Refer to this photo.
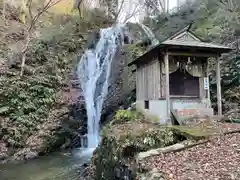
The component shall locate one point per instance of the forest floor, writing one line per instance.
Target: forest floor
(218, 159)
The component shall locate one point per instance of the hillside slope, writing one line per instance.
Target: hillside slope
(39, 111)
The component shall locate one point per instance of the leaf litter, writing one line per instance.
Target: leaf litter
(219, 159)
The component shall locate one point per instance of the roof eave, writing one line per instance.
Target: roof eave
(160, 46)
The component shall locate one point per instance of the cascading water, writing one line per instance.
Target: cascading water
(93, 71)
(150, 34)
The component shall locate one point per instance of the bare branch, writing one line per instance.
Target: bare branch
(33, 21)
(157, 6)
(49, 4)
(119, 10)
(79, 8)
(131, 14)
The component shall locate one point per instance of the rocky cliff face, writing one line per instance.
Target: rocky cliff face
(122, 84)
(121, 92)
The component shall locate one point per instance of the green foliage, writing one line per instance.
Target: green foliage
(125, 116)
(230, 84)
(135, 50)
(212, 20)
(123, 142)
(231, 76)
(195, 133)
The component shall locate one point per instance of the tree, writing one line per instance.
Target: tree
(233, 6)
(127, 10)
(30, 19)
(120, 10)
(155, 7)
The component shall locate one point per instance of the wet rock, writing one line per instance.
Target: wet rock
(92, 40)
(123, 173)
(85, 165)
(24, 154)
(127, 40)
(121, 86)
(132, 107)
(31, 155)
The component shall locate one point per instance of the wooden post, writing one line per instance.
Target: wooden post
(167, 85)
(161, 79)
(219, 95)
(208, 91)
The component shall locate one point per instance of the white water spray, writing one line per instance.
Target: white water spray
(150, 34)
(93, 71)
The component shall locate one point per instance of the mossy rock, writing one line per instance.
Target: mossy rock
(120, 144)
(123, 116)
(93, 39)
(195, 133)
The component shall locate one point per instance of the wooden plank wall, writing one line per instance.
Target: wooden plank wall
(148, 81)
(203, 93)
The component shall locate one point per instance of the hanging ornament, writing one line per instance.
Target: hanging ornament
(189, 60)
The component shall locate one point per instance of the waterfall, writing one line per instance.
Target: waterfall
(149, 34)
(93, 71)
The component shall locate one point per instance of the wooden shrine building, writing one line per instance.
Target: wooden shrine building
(172, 77)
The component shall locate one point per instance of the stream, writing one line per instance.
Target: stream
(57, 166)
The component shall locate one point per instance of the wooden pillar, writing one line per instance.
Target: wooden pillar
(208, 91)
(219, 95)
(166, 59)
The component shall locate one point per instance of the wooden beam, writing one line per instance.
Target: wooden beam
(191, 54)
(166, 59)
(219, 95)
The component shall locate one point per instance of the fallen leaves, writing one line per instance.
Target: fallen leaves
(218, 159)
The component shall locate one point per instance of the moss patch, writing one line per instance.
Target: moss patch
(195, 133)
(121, 141)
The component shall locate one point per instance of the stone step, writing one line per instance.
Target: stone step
(183, 116)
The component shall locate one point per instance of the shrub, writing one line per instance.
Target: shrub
(125, 116)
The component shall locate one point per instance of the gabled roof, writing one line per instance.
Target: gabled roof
(185, 39)
(195, 44)
(183, 32)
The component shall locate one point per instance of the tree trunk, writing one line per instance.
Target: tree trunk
(24, 51)
(23, 12)
(173, 148)
(80, 12)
